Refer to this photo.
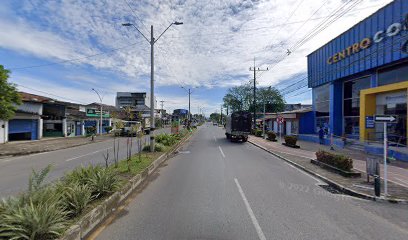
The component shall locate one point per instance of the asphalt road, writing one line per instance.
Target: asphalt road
(215, 189)
(15, 171)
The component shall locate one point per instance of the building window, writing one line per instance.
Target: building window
(394, 74)
(351, 104)
(321, 101)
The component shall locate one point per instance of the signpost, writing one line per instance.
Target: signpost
(280, 120)
(385, 119)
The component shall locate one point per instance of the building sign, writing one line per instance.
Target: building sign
(92, 112)
(370, 123)
(392, 30)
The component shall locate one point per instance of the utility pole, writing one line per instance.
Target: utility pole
(189, 102)
(221, 116)
(152, 41)
(100, 99)
(161, 115)
(254, 69)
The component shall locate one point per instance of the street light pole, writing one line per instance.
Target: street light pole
(152, 41)
(100, 99)
(152, 123)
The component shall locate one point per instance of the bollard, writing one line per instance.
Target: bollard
(377, 185)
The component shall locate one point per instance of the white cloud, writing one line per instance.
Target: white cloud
(215, 46)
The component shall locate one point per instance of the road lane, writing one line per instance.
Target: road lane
(196, 197)
(15, 171)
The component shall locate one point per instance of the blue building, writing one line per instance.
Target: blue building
(361, 73)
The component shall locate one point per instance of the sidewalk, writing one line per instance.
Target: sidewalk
(18, 148)
(397, 172)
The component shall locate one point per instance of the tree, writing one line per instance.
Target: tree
(215, 117)
(273, 99)
(9, 97)
(240, 98)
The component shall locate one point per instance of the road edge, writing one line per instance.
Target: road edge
(331, 183)
(92, 220)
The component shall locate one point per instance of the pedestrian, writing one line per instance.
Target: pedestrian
(321, 135)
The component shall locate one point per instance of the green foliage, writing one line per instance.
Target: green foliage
(258, 132)
(166, 139)
(35, 181)
(271, 135)
(90, 130)
(336, 160)
(79, 176)
(240, 98)
(36, 214)
(75, 198)
(119, 124)
(45, 220)
(9, 97)
(101, 181)
(108, 129)
(158, 147)
(290, 140)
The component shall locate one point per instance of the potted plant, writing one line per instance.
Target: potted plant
(290, 141)
(271, 136)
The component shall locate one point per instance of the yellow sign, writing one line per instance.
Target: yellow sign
(379, 36)
(350, 50)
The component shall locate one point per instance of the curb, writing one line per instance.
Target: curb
(331, 183)
(89, 222)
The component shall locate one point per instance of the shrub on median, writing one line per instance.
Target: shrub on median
(166, 139)
(258, 132)
(271, 135)
(290, 140)
(37, 214)
(158, 147)
(336, 160)
(101, 181)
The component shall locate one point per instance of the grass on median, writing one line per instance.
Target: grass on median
(45, 211)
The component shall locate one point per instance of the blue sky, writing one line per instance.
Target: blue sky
(211, 52)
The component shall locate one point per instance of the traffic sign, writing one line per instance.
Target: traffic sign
(385, 118)
(280, 119)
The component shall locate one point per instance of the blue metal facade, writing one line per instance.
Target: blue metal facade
(24, 126)
(370, 52)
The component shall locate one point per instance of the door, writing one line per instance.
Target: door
(275, 126)
(78, 128)
(23, 129)
(288, 128)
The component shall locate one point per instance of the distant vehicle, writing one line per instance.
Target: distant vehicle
(146, 125)
(127, 128)
(215, 123)
(238, 126)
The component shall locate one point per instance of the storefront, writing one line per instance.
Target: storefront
(363, 73)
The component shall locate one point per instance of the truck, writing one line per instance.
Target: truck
(130, 128)
(238, 126)
(146, 125)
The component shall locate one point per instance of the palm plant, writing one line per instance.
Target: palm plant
(32, 221)
(76, 198)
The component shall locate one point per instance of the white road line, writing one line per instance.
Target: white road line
(319, 182)
(215, 140)
(402, 182)
(222, 153)
(250, 212)
(70, 159)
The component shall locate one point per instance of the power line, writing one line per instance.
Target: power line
(50, 94)
(316, 29)
(308, 90)
(135, 15)
(223, 34)
(379, 51)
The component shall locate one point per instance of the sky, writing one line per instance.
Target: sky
(64, 48)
